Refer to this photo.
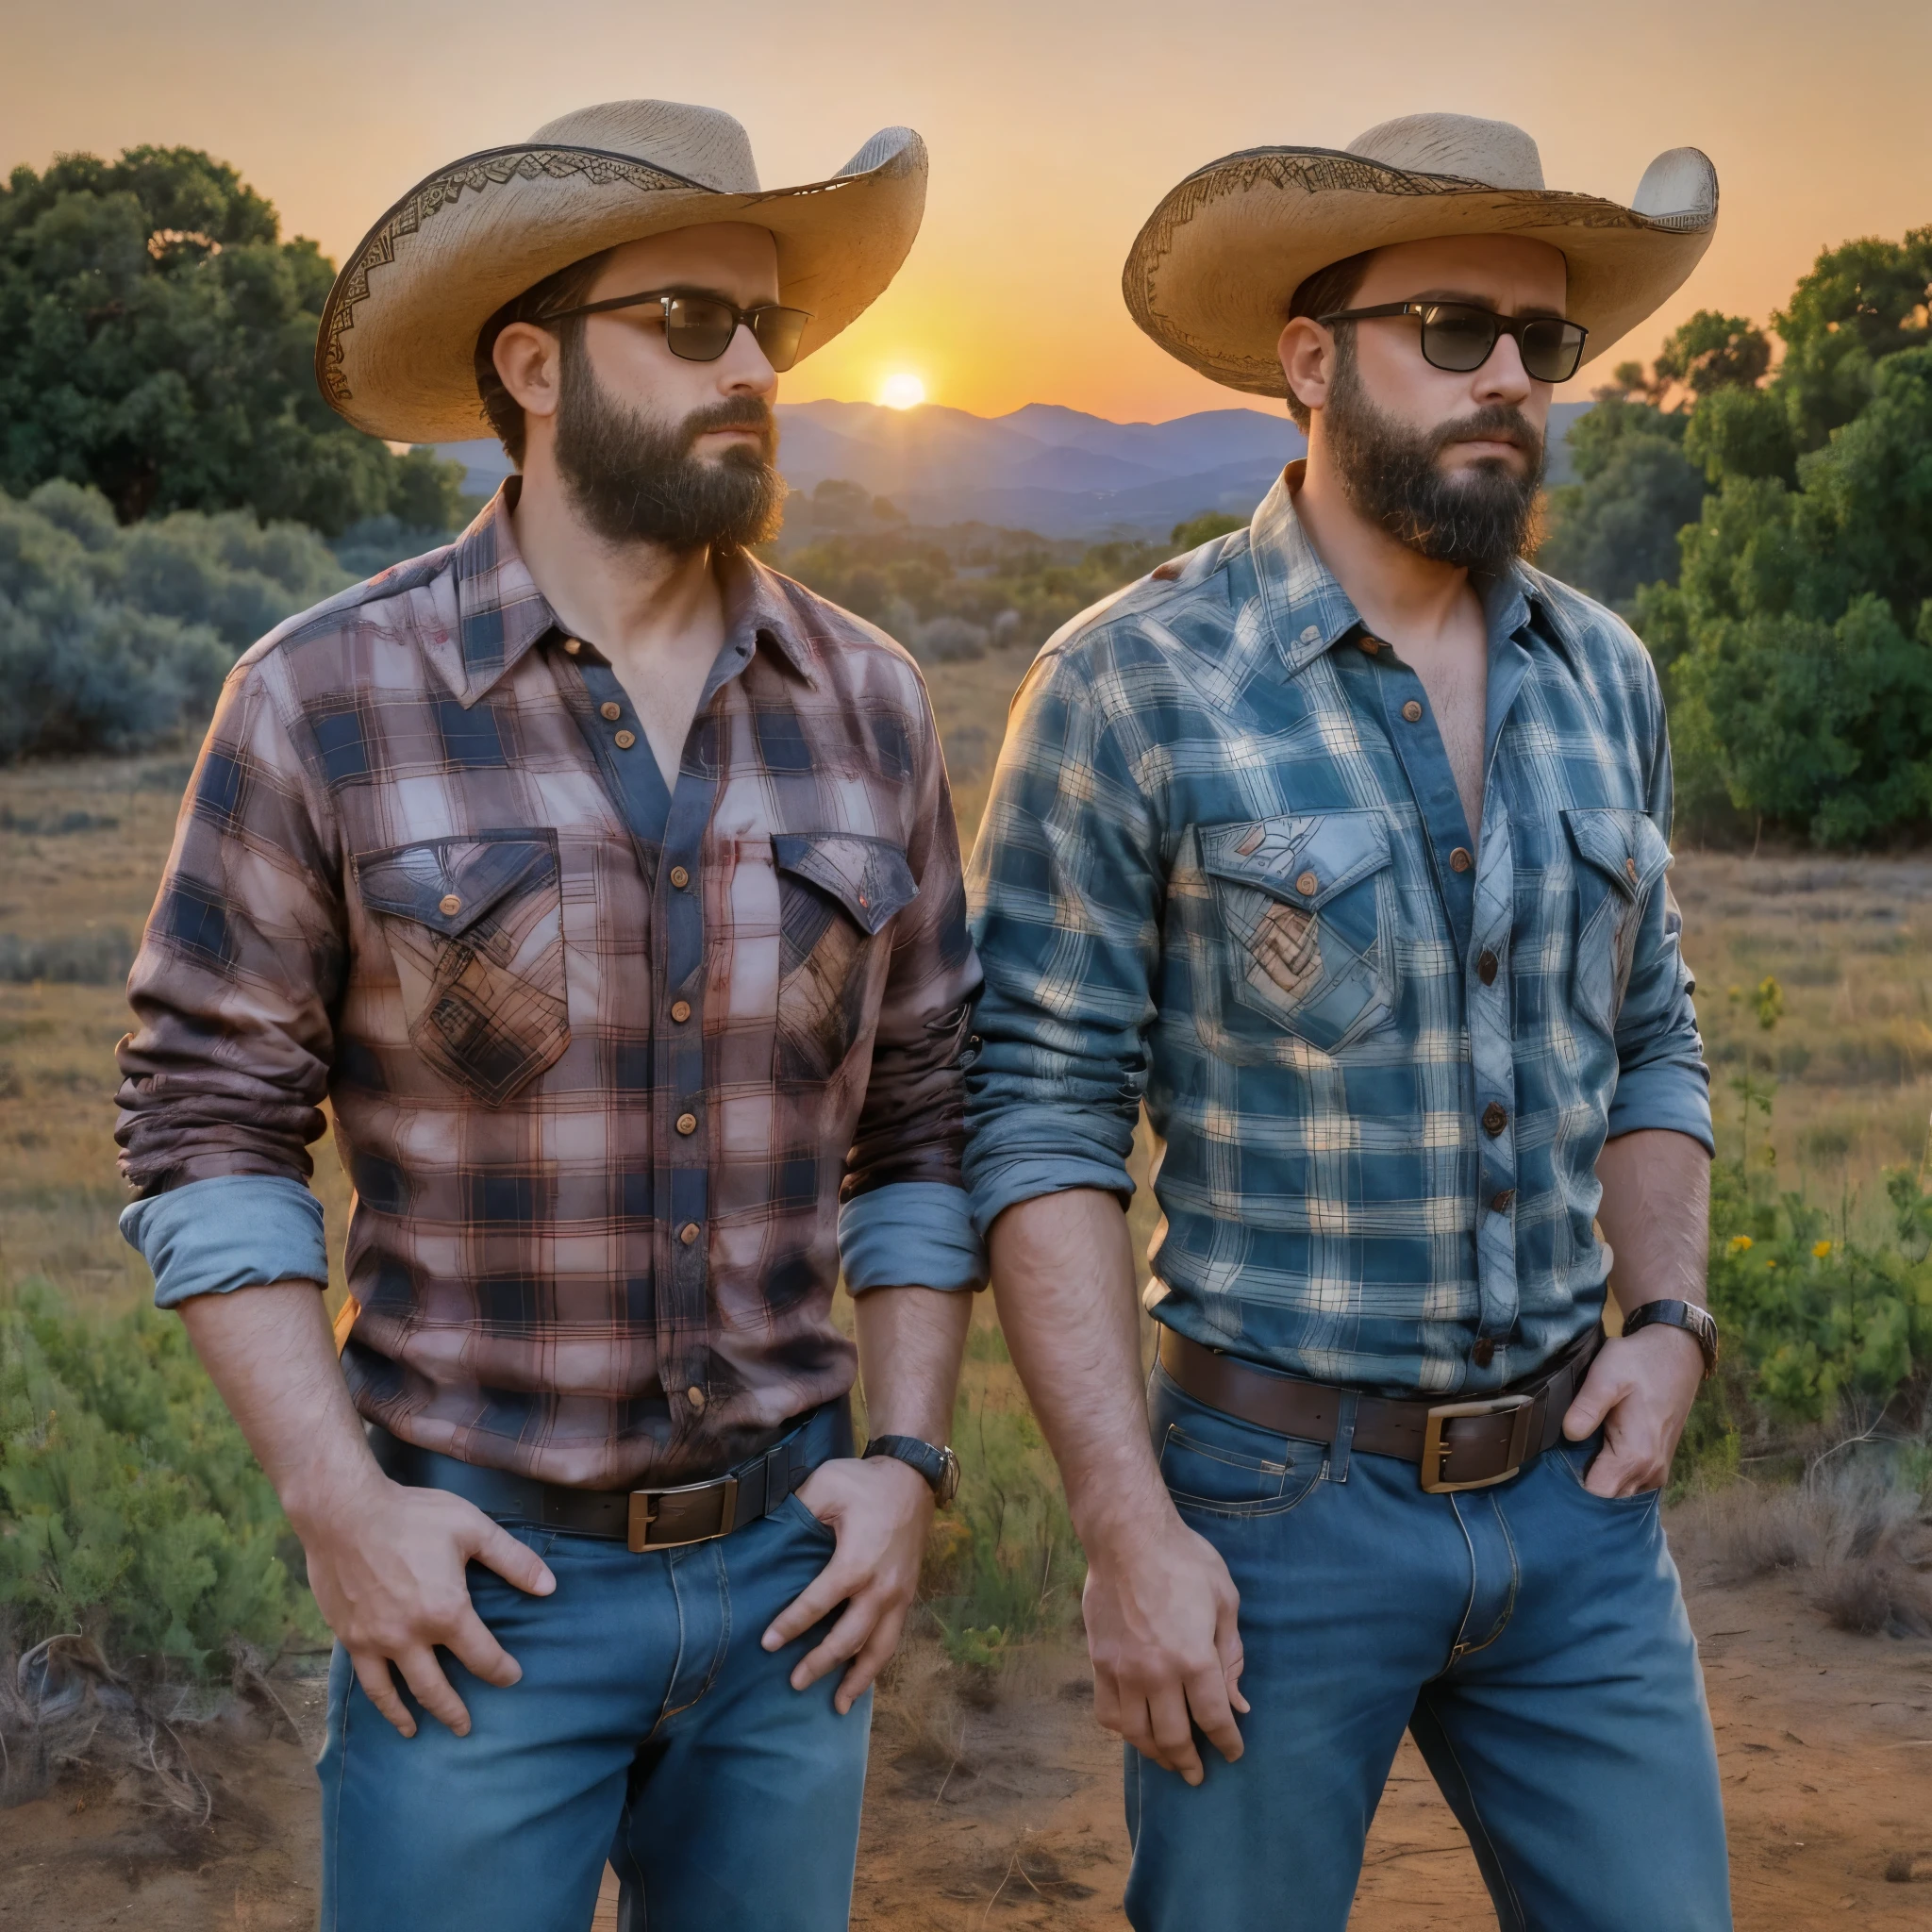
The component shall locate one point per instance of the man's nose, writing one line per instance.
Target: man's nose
(1502, 378)
(745, 369)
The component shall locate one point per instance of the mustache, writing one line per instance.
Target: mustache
(734, 413)
(1492, 423)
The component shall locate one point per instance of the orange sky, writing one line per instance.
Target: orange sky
(1054, 127)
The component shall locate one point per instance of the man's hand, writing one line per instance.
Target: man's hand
(1163, 1630)
(1640, 1389)
(387, 1568)
(880, 1510)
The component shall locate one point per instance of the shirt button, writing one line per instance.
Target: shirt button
(1371, 644)
(611, 710)
(1307, 884)
(688, 1233)
(1495, 1119)
(1460, 859)
(1630, 869)
(1499, 1203)
(1485, 969)
(680, 1011)
(449, 905)
(687, 1124)
(571, 645)
(1412, 711)
(680, 877)
(695, 1396)
(624, 740)
(1484, 1353)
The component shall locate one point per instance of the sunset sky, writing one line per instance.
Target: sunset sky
(1054, 127)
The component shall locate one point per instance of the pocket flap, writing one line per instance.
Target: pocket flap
(868, 877)
(1303, 859)
(1624, 845)
(448, 884)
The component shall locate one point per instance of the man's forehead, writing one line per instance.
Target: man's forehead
(1471, 264)
(698, 254)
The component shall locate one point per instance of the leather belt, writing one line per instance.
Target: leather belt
(663, 1519)
(1458, 1445)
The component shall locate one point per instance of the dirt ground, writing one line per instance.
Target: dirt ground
(1825, 1742)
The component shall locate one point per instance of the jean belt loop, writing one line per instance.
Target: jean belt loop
(1342, 1447)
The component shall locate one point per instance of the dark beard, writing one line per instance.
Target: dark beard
(1481, 518)
(636, 481)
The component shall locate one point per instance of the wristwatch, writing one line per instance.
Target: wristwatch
(1697, 1322)
(936, 1463)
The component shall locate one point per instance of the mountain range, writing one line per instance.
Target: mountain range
(1044, 467)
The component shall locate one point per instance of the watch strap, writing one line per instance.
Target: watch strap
(1696, 1322)
(938, 1465)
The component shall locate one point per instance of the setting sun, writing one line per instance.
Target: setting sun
(902, 391)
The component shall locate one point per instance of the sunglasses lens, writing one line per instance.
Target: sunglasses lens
(778, 332)
(698, 330)
(1458, 339)
(1552, 350)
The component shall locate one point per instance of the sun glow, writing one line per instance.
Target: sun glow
(902, 391)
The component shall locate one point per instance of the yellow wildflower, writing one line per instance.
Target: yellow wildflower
(1740, 1243)
(1820, 1249)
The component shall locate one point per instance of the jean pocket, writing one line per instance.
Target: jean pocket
(1225, 1480)
(1577, 1457)
(800, 1513)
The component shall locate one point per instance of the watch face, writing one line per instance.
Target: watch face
(948, 1485)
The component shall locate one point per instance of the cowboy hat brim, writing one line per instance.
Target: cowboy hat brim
(395, 351)
(1211, 275)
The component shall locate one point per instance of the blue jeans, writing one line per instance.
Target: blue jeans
(649, 1729)
(1531, 1636)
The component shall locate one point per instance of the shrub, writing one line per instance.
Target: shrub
(130, 1507)
(113, 640)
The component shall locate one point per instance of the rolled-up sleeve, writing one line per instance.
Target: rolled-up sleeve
(1065, 887)
(1662, 1081)
(224, 1072)
(903, 1219)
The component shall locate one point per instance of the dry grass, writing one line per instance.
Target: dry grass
(1850, 943)
(1861, 1535)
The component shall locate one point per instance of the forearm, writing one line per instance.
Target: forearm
(1656, 1216)
(1063, 1278)
(911, 1343)
(269, 1353)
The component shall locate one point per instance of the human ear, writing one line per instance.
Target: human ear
(527, 359)
(1307, 361)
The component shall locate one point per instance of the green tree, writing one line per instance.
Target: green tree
(156, 342)
(1798, 643)
(1615, 529)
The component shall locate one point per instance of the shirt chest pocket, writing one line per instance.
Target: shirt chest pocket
(1297, 940)
(474, 926)
(837, 893)
(1620, 857)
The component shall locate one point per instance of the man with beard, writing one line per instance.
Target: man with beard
(605, 885)
(1340, 843)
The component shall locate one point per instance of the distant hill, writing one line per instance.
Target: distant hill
(1045, 468)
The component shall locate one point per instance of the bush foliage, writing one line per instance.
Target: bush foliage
(1791, 619)
(112, 639)
(130, 1507)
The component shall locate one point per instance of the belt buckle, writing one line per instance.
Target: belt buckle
(1436, 1452)
(651, 1507)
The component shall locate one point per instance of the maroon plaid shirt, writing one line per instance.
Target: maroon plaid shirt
(601, 1071)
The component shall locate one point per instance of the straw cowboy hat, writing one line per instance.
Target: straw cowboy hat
(1211, 275)
(394, 352)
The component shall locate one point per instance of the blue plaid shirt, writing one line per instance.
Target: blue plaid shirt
(1224, 870)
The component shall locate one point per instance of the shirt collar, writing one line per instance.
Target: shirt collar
(1308, 610)
(501, 613)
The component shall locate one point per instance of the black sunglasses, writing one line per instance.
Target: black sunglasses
(700, 327)
(1458, 337)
